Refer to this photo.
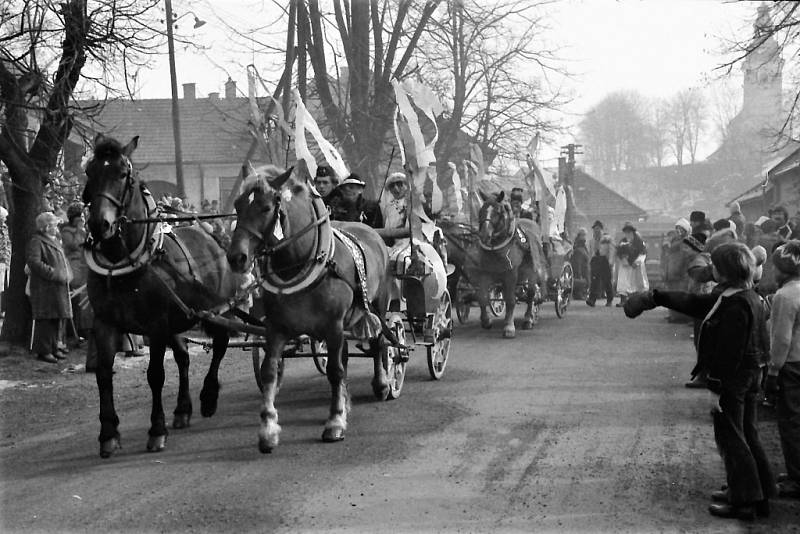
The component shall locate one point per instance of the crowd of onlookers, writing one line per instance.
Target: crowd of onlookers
(738, 283)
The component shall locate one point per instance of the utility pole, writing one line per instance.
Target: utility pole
(566, 177)
(176, 120)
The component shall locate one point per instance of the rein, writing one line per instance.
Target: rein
(512, 233)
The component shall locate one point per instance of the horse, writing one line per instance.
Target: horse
(504, 250)
(146, 278)
(311, 284)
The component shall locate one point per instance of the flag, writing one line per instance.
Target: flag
(414, 149)
(476, 157)
(304, 121)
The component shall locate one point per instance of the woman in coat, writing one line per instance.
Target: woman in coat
(50, 276)
(631, 274)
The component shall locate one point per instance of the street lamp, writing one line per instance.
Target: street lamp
(176, 119)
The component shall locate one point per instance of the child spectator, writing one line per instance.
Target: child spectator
(783, 379)
(733, 347)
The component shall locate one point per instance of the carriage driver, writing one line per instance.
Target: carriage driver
(395, 208)
(351, 206)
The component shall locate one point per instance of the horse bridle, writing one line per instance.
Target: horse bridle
(510, 226)
(127, 195)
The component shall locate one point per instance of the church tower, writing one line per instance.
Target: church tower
(762, 104)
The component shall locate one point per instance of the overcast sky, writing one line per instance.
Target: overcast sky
(656, 47)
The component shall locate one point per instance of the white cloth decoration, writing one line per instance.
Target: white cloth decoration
(304, 121)
(456, 187)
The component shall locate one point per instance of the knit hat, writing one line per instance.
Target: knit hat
(786, 258)
(760, 253)
(697, 216)
(683, 223)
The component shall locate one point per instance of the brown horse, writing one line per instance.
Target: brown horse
(141, 280)
(310, 285)
(509, 252)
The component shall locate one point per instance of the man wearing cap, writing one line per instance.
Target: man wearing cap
(325, 182)
(353, 207)
(780, 215)
(600, 255)
(515, 199)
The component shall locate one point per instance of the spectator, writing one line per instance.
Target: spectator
(738, 219)
(783, 379)
(631, 255)
(733, 349)
(696, 221)
(580, 264)
(676, 256)
(780, 215)
(770, 240)
(50, 276)
(599, 248)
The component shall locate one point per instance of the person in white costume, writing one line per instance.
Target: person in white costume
(395, 207)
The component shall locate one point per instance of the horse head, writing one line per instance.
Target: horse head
(496, 219)
(111, 187)
(259, 217)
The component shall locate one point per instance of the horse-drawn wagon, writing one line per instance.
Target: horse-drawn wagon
(505, 260)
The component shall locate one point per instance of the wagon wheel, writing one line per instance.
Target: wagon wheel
(463, 306)
(564, 290)
(497, 302)
(258, 357)
(394, 358)
(319, 352)
(442, 331)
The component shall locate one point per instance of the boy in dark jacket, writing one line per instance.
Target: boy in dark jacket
(733, 347)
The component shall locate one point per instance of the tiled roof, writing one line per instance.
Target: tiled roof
(213, 130)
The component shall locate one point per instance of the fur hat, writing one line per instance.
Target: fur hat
(597, 224)
(786, 258)
(628, 227)
(683, 223)
(721, 224)
(74, 210)
(395, 177)
(697, 216)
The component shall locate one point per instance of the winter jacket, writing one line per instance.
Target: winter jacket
(676, 260)
(50, 275)
(734, 338)
(72, 239)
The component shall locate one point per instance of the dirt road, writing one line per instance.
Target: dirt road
(581, 425)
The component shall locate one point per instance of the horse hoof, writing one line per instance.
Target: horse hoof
(332, 435)
(208, 404)
(381, 391)
(181, 420)
(264, 447)
(509, 333)
(486, 325)
(108, 447)
(156, 443)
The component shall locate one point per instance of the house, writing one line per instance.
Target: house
(780, 187)
(215, 140)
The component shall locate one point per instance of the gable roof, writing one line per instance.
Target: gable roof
(213, 130)
(595, 198)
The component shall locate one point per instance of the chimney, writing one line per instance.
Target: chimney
(230, 88)
(188, 91)
(213, 96)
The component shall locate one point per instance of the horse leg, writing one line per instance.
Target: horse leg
(182, 415)
(157, 435)
(529, 294)
(107, 339)
(210, 392)
(509, 294)
(483, 300)
(380, 382)
(340, 399)
(269, 433)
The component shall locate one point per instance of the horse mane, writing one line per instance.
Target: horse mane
(108, 148)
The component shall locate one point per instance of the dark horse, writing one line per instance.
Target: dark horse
(504, 250)
(310, 285)
(142, 278)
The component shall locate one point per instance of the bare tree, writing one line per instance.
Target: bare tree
(686, 120)
(47, 50)
(377, 41)
(479, 56)
(616, 132)
(658, 131)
